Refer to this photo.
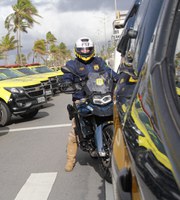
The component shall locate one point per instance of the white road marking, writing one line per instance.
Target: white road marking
(36, 127)
(37, 187)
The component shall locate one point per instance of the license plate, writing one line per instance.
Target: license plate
(41, 99)
(48, 92)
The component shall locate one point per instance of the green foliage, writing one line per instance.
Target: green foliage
(7, 43)
(21, 19)
(177, 60)
(178, 55)
(40, 47)
(50, 38)
(54, 49)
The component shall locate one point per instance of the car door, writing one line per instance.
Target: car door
(145, 159)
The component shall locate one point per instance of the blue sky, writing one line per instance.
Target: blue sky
(68, 20)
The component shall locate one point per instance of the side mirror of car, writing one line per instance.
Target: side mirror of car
(122, 45)
(132, 33)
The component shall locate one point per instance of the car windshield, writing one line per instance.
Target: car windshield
(3, 77)
(10, 73)
(27, 71)
(43, 69)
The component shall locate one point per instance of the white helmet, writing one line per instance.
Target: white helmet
(84, 49)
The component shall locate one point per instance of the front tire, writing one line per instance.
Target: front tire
(105, 162)
(5, 114)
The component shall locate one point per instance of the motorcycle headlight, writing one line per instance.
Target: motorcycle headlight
(101, 100)
(15, 90)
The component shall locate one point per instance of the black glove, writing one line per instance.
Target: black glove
(64, 86)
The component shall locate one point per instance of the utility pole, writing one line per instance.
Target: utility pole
(115, 7)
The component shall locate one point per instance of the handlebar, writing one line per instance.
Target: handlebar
(70, 88)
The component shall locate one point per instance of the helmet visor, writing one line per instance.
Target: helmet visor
(85, 50)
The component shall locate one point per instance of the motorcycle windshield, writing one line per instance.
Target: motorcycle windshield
(99, 83)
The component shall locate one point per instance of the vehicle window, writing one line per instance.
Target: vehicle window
(43, 69)
(3, 77)
(124, 42)
(140, 15)
(145, 24)
(177, 65)
(9, 73)
(27, 71)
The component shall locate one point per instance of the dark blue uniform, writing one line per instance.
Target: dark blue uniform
(97, 64)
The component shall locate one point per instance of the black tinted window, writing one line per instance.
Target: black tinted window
(177, 66)
(145, 25)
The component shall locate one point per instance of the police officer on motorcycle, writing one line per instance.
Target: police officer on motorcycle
(84, 63)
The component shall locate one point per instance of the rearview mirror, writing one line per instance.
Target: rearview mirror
(122, 45)
(132, 33)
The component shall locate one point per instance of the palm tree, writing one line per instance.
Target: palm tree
(21, 19)
(65, 54)
(39, 49)
(7, 43)
(50, 38)
(59, 54)
(50, 42)
(53, 55)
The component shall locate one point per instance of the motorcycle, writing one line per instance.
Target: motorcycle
(93, 117)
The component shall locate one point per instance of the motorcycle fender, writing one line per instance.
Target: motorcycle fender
(99, 139)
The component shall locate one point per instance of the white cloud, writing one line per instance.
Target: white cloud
(67, 27)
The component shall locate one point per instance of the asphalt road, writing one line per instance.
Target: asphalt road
(33, 156)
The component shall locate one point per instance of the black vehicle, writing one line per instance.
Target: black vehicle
(94, 117)
(54, 77)
(19, 96)
(146, 151)
(48, 86)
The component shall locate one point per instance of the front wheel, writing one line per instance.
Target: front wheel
(30, 114)
(5, 114)
(105, 162)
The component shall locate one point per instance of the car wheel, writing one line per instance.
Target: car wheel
(5, 114)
